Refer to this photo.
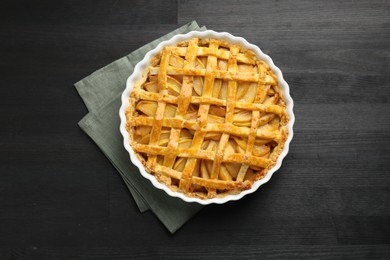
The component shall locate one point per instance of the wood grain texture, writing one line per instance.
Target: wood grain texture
(61, 199)
(215, 252)
(91, 12)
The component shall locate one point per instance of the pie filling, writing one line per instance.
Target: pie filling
(207, 118)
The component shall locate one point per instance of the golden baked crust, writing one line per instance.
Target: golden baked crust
(207, 118)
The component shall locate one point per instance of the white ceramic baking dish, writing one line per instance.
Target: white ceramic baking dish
(143, 64)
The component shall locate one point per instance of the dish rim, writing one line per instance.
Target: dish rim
(136, 75)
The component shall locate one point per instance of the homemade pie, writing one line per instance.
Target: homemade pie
(207, 118)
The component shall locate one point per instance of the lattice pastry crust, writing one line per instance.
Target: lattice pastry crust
(207, 118)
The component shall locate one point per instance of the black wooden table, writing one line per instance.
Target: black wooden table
(60, 198)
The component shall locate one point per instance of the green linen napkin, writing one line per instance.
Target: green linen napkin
(101, 92)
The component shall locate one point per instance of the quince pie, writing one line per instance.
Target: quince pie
(207, 118)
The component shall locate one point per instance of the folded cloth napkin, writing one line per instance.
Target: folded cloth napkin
(101, 92)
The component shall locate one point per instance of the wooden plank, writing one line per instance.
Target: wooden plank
(338, 173)
(362, 229)
(272, 14)
(90, 12)
(339, 88)
(342, 117)
(214, 251)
